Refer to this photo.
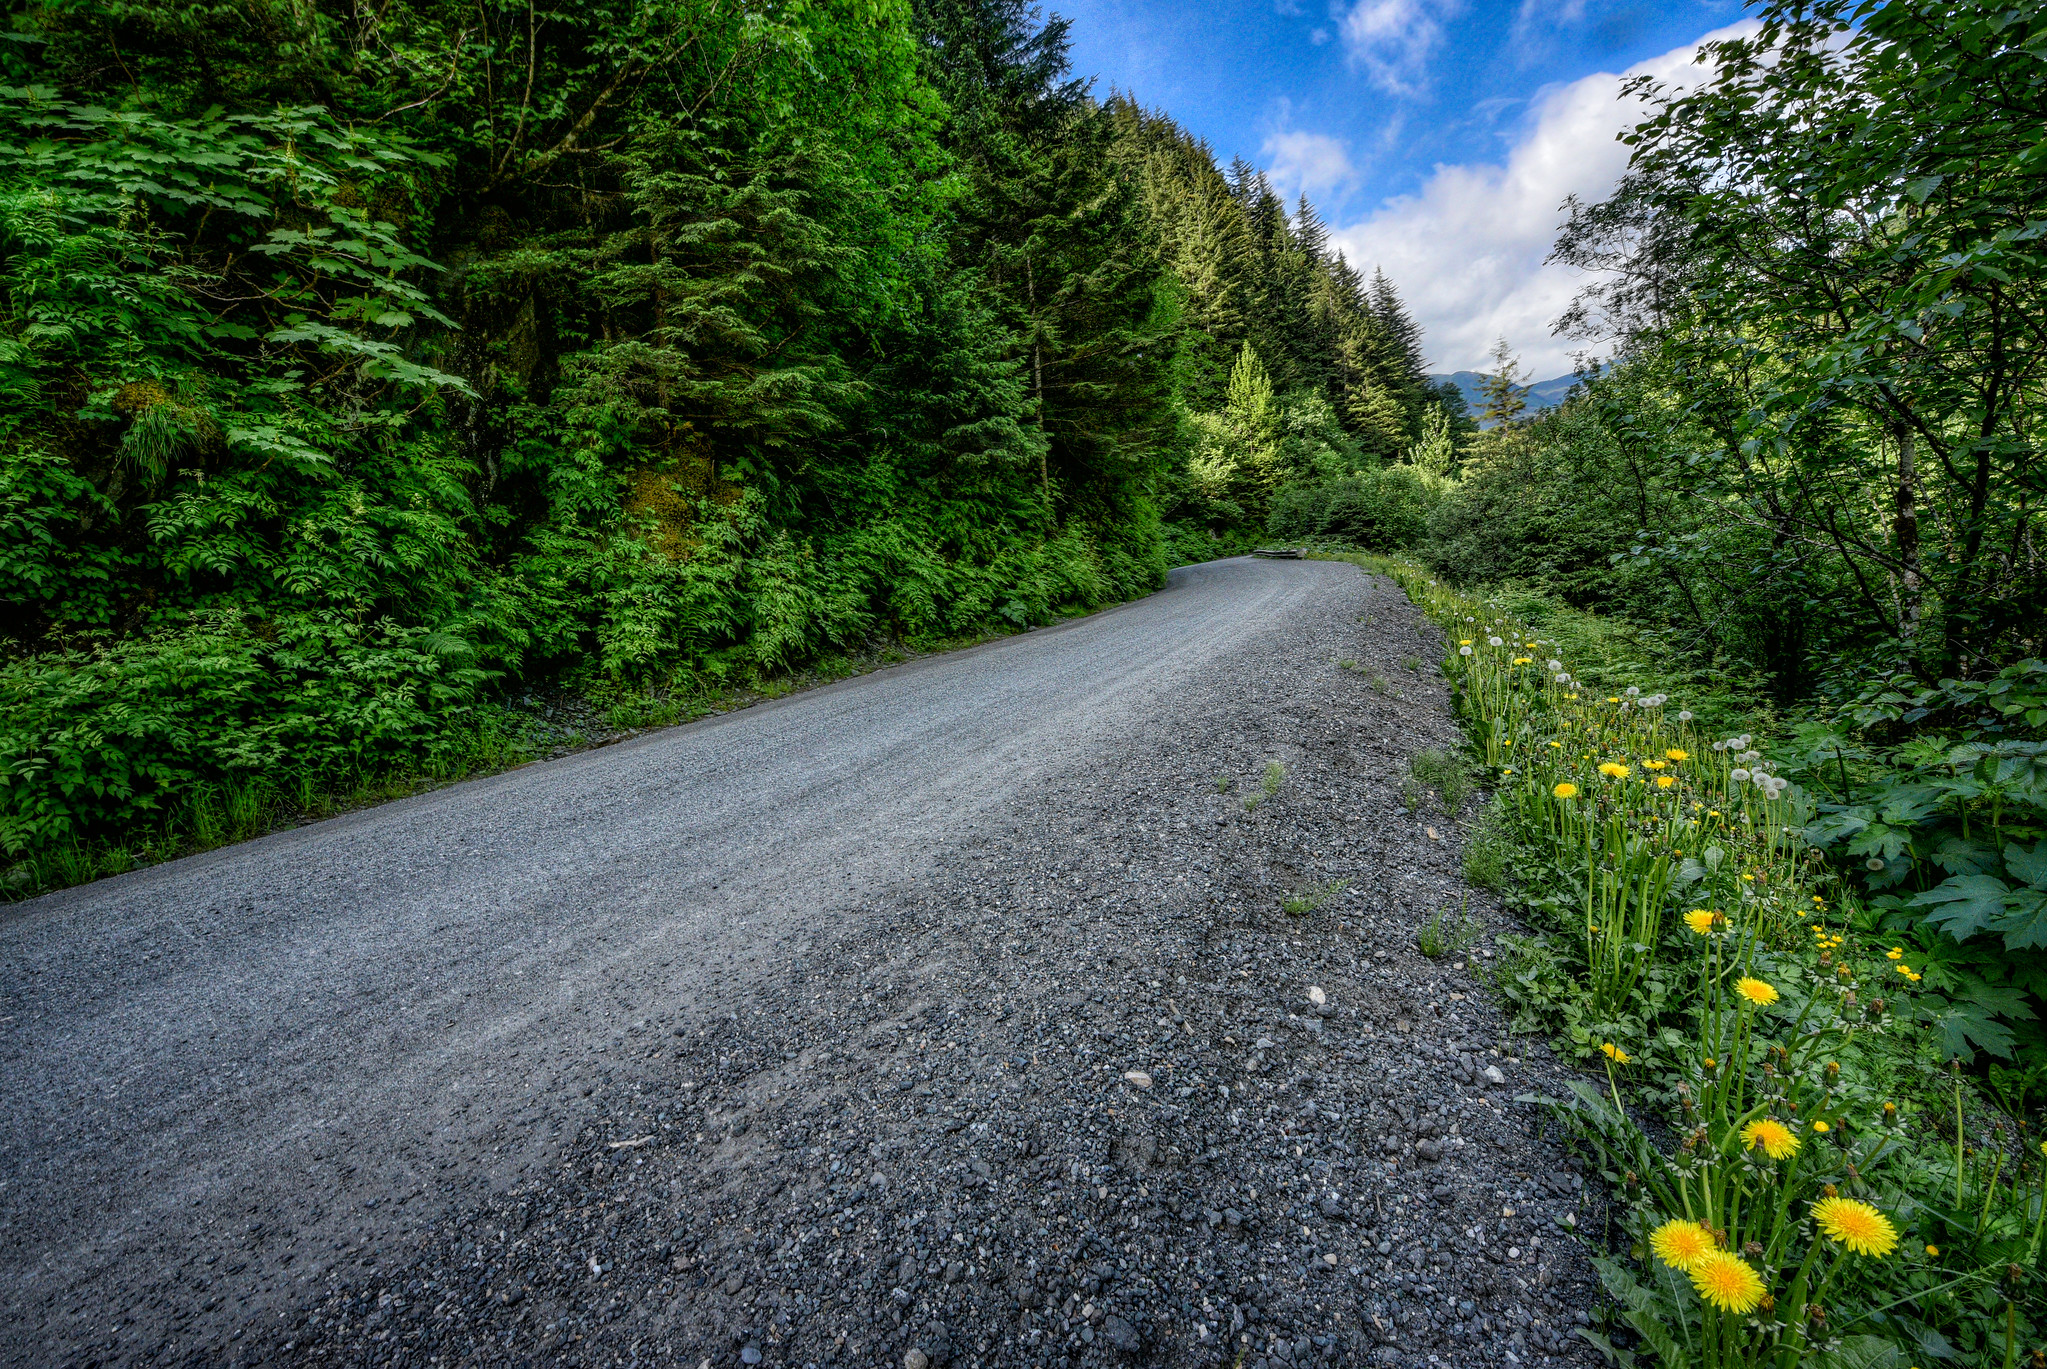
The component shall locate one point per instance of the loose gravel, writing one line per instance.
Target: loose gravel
(1151, 1070)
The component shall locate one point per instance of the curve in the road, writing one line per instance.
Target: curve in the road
(309, 1031)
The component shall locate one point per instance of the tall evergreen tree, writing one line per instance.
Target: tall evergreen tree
(1504, 387)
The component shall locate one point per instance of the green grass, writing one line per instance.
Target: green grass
(1443, 772)
(1275, 776)
(1304, 901)
(1440, 936)
(1488, 849)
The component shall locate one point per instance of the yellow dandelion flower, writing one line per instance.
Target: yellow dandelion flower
(1558, 745)
(1727, 1282)
(1820, 1125)
(1681, 1244)
(1464, 641)
(1934, 1251)
(1613, 698)
(1677, 753)
(1664, 781)
(1777, 1140)
(1655, 765)
(1858, 1226)
(1615, 1054)
(1522, 660)
(1756, 992)
(1566, 790)
(1700, 920)
(1615, 770)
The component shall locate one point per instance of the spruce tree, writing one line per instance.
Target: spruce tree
(1250, 415)
(1504, 387)
(1436, 453)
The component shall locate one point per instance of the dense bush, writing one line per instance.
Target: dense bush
(1378, 510)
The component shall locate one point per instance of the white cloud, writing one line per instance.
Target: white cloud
(1466, 251)
(1392, 40)
(1313, 164)
(1538, 13)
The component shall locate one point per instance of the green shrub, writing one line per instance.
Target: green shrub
(101, 743)
(1379, 510)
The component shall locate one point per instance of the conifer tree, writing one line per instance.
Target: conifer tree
(1377, 418)
(1436, 452)
(1504, 387)
(1250, 416)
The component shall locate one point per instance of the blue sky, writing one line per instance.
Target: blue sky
(1436, 136)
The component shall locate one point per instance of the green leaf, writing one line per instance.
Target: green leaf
(2030, 866)
(1650, 1315)
(1862, 1352)
(1614, 1354)
(2024, 924)
(1966, 1028)
(1967, 904)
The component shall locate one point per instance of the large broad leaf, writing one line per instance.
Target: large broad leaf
(1960, 857)
(2027, 866)
(1967, 1027)
(1841, 822)
(1862, 1352)
(1965, 904)
(2025, 922)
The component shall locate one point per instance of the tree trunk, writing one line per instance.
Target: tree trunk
(1905, 532)
(1038, 371)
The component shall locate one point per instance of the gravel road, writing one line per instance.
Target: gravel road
(968, 1013)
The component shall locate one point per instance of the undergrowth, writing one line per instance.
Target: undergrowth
(1813, 1159)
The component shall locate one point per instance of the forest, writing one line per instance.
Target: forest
(367, 369)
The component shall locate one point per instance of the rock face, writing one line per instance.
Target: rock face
(1081, 1093)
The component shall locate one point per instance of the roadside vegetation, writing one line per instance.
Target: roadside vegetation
(1747, 638)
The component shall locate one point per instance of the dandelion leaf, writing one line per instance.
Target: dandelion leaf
(1650, 1316)
(1614, 1354)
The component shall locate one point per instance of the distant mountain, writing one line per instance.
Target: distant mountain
(1543, 394)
